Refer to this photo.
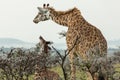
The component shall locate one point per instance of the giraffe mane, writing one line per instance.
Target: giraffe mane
(66, 12)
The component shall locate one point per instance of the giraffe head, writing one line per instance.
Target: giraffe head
(43, 14)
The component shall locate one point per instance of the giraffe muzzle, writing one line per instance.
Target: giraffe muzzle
(35, 21)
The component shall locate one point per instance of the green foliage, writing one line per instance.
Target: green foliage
(117, 65)
(117, 71)
(81, 75)
(24, 61)
(58, 70)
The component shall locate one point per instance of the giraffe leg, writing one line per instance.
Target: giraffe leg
(105, 68)
(73, 68)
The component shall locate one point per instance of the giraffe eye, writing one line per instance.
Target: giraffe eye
(46, 11)
(39, 13)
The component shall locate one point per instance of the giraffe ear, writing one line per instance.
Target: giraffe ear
(40, 9)
(40, 37)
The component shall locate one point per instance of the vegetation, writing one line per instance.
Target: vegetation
(114, 66)
(19, 64)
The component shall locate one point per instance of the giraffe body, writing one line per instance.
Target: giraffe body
(90, 38)
(42, 74)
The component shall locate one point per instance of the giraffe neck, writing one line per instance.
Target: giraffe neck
(66, 18)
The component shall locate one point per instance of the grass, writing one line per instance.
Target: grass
(58, 70)
(80, 75)
(31, 77)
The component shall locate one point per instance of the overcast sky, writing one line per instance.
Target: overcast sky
(16, 18)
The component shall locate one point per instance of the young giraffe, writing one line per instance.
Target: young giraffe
(41, 72)
(89, 38)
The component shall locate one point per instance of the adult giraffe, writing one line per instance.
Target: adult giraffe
(89, 38)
